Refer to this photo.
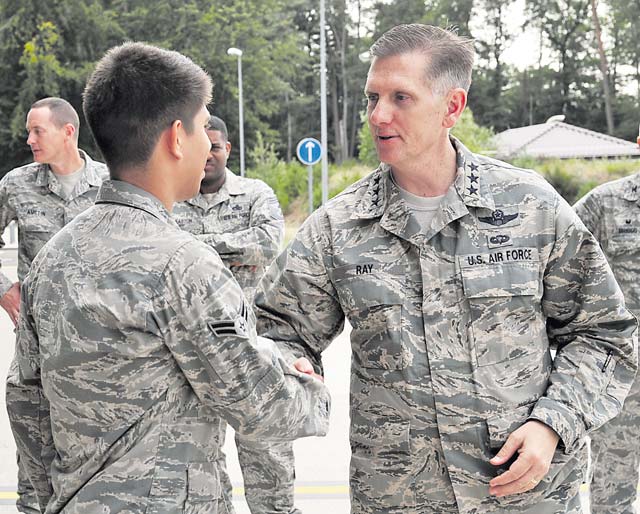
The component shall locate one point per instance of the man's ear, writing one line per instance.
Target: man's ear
(173, 139)
(456, 102)
(69, 130)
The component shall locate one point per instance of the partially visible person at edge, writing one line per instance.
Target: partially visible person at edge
(458, 275)
(134, 338)
(241, 219)
(42, 197)
(612, 213)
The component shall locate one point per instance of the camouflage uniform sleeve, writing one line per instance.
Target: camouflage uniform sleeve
(594, 334)
(7, 215)
(27, 406)
(209, 329)
(297, 304)
(268, 470)
(259, 244)
(590, 212)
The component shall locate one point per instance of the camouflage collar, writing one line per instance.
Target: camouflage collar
(90, 177)
(124, 193)
(232, 186)
(470, 185)
(470, 181)
(631, 191)
(91, 171)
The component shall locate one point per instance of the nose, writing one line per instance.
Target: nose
(381, 113)
(30, 139)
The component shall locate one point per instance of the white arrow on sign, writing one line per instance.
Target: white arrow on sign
(309, 146)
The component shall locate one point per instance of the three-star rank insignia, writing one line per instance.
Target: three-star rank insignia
(472, 177)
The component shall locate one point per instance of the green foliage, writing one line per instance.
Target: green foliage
(573, 178)
(288, 180)
(366, 148)
(49, 48)
(444, 13)
(476, 138)
(346, 174)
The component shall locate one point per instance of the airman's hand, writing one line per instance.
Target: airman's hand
(10, 302)
(304, 366)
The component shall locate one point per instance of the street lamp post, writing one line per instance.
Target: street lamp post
(323, 107)
(238, 53)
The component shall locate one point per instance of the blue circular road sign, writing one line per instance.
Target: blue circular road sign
(309, 151)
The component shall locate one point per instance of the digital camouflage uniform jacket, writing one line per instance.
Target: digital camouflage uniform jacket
(612, 213)
(32, 195)
(243, 223)
(134, 340)
(452, 332)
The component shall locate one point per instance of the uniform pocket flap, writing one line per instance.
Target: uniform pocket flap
(505, 279)
(502, 425)
(203, 482)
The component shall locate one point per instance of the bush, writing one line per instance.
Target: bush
(288, 179)
(366, 149)
(573, 178)
(476, 138)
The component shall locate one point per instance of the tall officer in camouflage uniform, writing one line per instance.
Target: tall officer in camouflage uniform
(241, 219)
(612, 213)
(43, 197)
(134, 338)
(458, 274)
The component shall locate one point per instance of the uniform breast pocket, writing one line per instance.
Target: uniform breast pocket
(34, 232)
(377, 316)
(623, 245)
(505, 314)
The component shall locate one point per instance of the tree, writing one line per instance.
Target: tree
(562, 23)
(47, 49)
(490, 79)
(604, 68)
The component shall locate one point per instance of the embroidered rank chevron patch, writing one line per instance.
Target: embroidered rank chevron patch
(230, 327)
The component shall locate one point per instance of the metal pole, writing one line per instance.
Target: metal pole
(241, 115)
(323, 107)
(310, 184)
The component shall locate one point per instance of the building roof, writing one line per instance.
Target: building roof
(559, 140)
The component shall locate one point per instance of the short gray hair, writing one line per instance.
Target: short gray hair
(62, 112)
(449, 56)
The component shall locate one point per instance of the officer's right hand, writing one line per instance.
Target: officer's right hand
(10, 302)
(304, 366)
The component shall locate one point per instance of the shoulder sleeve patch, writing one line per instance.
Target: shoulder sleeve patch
(237, 326)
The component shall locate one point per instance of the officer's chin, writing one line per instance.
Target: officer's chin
(38, 157)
